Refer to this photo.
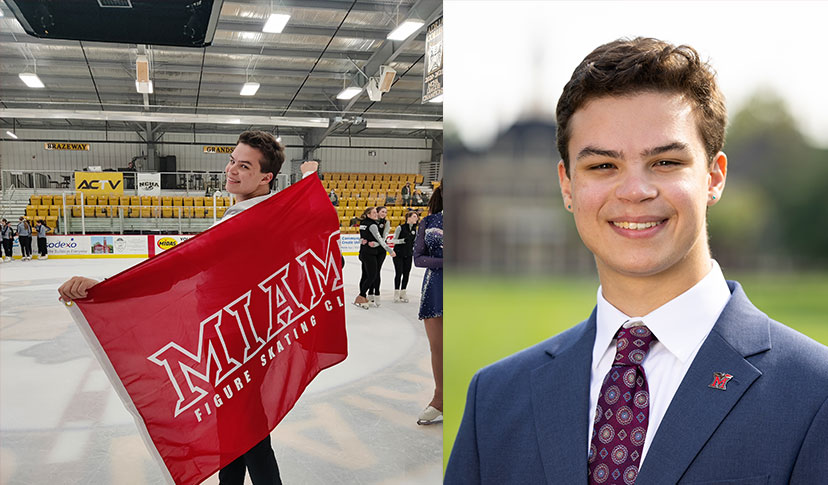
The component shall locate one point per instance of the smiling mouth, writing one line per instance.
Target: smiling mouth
(636, 226)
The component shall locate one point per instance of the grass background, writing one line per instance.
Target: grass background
(488, 318)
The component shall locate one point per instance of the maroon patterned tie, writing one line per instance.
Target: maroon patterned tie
(623, 411)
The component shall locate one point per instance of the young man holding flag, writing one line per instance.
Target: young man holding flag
(250, 175)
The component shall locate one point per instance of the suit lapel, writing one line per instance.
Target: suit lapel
(697, 409)
(560, 401)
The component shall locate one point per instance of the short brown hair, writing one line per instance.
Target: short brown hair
(435, 204)
(625, 67)
(273, 153)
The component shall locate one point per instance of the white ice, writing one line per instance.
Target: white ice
(61, 422)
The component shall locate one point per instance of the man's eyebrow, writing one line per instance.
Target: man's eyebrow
(600, 152)
(675, 146)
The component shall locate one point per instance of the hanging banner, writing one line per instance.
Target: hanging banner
(96, 183)
(433, 72)
(219, 149)
(209, 350)
(149, 183)
(66, 146)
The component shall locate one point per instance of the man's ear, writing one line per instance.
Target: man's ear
(716, 179)
(566, 186)
(267, 178)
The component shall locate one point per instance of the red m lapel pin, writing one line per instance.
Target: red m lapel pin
(720, 380)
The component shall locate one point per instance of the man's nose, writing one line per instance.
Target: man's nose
(635, 187)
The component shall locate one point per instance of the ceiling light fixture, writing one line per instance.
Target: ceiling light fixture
(405, 29)
(276, 23)
(11, 135)
(249, 88)
(31, 80)
(143, 87)
(349, 92)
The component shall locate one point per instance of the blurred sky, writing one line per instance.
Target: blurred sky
(508, 58)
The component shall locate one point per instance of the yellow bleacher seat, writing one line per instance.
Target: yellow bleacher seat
(70, 199)
(76, 211)
(89, 211)
(187, 212)
(199, 202)
(220, 211)
(100, 211)
(45, 200)
(166, 201)
(146, 212)
(154, 200)
(134, 200)
(177, 201)
(31, 211)
(198, 212)
(91, 200)
(227, 202)
(54, 211)
(42, 211)
(166, 212)
(34, 200)
(418, 179)
(188, 201)
(145, 200)
(125, 200)
(52, 222)
(135, 211)
(208, 212)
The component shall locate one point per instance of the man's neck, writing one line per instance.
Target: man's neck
(637, 296)
(256, 193)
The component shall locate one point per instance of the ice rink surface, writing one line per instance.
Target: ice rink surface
(61, 422)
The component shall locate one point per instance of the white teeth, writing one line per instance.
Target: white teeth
(638, 226)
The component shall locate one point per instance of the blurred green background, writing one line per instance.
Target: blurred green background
(490, 318)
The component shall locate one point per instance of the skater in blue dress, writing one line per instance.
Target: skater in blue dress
(428, 253)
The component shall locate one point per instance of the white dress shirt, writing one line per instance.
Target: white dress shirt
(681, 325)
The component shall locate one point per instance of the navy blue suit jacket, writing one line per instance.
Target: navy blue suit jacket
(526, 416)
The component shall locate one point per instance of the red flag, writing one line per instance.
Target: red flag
(210, 344)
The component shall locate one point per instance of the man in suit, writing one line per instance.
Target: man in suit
(675, 377)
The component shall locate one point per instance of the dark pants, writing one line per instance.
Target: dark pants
(7, 247)
(369, 271)
(402, 268)
(41, 246)
(260, 462)
(374, 290)
(25, 245)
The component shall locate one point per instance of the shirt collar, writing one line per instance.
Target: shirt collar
(680, 325)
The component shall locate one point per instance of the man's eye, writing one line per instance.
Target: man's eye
(602, 166)
(666, 163)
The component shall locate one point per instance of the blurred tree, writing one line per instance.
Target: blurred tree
(779, 209)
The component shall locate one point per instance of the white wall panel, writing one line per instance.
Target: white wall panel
(115, 149)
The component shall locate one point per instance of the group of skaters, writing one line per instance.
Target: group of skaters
(23, 232)
(420, 242)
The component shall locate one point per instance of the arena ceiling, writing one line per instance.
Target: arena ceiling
(326, 45)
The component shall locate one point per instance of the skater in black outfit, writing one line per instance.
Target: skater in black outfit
(404, 236)
(371, 245)
(384, 229)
